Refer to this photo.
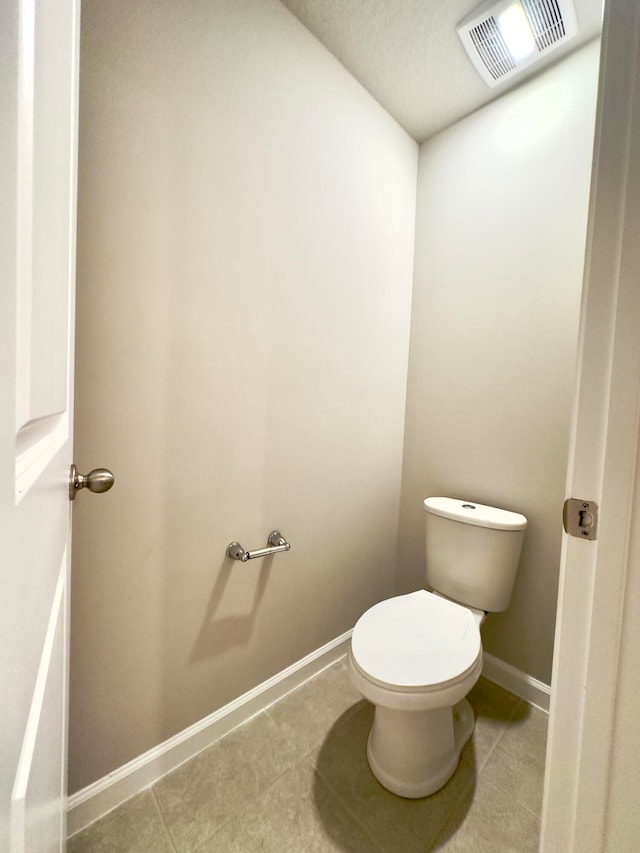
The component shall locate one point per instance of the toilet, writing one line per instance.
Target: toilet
(416, 656)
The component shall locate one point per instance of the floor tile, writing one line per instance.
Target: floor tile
(517, 763)
(493, 708)
(221, 782)
(297, 813)
(493, 822)
(307, 714)
(296, 779)
(134, 827)
(397, 824)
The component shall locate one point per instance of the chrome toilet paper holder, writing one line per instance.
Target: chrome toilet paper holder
(276, 544)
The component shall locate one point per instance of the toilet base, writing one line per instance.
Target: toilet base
(414, 753)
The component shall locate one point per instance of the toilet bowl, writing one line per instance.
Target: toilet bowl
(415, 657)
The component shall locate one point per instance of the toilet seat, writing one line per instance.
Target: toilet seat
(416, 643)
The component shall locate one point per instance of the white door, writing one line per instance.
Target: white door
(38, 130)
(592, 785)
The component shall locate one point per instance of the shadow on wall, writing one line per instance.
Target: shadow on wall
(218, 635)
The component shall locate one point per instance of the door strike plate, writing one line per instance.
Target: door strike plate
(580, 518)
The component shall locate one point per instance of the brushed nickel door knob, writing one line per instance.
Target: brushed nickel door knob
(99, 480)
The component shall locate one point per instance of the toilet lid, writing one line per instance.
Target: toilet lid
(416, 640)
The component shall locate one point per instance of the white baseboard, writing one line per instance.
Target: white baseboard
(525, 686)
(94, 801)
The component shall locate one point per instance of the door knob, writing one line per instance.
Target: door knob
(99, 480)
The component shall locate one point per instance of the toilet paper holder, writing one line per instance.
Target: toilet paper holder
(276, 542)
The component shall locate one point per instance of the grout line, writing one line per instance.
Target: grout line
(304, 758)
(163, 819)
(239, 814)
(537, 815)
(287, 736)
(522, 703)
(453, 811)
(301, 759)
(471, 785)
(480, 767)
(338, 665)
(503, 730)
(335, 795)
(305, 683)
(518, 802)
(104, 795)
(251, 804)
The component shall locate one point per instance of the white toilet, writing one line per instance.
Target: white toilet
(416, 656)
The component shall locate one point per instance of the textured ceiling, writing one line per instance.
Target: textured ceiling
(408, 55)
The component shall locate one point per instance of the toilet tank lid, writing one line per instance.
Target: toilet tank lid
(469, 512)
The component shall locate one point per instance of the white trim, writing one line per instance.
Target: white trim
(94, 801)
(591, 621)
(525, 686)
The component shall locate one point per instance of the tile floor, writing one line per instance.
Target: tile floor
(295, 779)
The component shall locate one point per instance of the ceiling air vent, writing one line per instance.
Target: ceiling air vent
(506, 37)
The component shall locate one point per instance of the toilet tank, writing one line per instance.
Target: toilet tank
(472, 551)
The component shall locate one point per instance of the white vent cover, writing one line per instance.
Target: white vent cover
(505, 37)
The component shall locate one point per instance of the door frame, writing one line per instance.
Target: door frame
(590, 637)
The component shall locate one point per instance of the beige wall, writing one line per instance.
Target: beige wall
(500, 236)
(246, 233)
(246, 221)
